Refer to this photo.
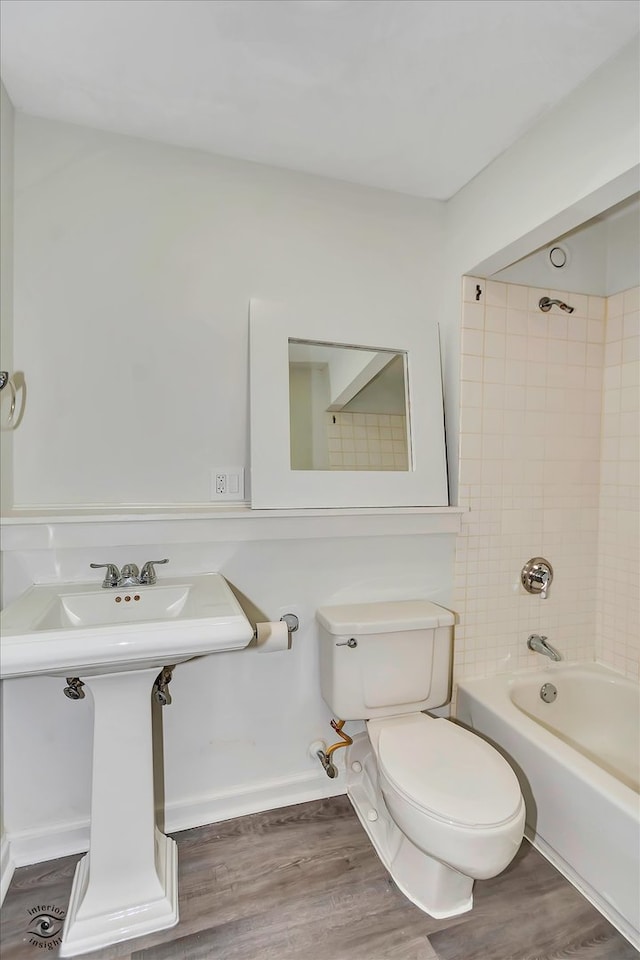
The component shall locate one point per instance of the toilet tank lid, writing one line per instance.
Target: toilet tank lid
(385, 617)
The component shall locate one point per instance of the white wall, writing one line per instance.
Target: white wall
(135, 263)
(585, 270)
(586, 144)
(579, 160)
(6, 285)
(603, 258)
(623, 250)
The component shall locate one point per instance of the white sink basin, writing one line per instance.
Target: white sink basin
(95, 608)
(67, 629)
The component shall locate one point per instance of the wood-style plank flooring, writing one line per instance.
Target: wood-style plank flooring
(303, 883)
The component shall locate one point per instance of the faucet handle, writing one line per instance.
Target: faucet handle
(148, 574)
(111, 577)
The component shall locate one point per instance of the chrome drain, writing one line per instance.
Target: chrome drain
(548, 692)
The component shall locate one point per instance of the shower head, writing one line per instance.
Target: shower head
(545, 305)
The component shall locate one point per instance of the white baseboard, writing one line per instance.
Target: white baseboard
(267, 795)
(49, 842)
(71, 837)
(7, 866)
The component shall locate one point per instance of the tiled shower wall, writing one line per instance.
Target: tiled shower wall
(367, 441)
(531, 415)
(618, 616)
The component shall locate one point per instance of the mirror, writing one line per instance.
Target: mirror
(377, 375)
(347, 408)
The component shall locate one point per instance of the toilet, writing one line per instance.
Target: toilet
(440, 805)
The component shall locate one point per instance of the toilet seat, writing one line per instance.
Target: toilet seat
(445, 772)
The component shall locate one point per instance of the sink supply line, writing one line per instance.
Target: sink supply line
(74, 690)
(161, 686)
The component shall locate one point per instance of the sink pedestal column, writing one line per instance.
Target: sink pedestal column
(127, 884)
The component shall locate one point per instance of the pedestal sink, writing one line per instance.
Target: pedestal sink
(116, 641)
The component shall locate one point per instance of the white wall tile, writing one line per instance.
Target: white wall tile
(495, 319)
(361, 441)
(473, 289)
(597, 306)
(471, 367)
(472, 342)
(549, 484)
(631, 300)
(496, 293)
(473, 316)
(517, 297)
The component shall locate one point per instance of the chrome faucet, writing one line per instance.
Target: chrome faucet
(539, 645)
(129, 576)
(148, 574)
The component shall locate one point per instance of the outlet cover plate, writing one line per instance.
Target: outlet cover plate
(227, 483)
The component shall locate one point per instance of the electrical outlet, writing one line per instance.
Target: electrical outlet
(227, 483)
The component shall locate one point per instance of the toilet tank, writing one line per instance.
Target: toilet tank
(385, 659)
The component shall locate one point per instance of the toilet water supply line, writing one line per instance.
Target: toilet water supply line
(324, 756)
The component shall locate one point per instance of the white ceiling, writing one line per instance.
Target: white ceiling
(410, 95)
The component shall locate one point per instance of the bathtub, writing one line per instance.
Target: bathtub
(577, 761)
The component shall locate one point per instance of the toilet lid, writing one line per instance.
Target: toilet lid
(448, 771)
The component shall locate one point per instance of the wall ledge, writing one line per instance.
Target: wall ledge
(104, 512)
(103, 525)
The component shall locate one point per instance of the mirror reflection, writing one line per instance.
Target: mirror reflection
(348, 408)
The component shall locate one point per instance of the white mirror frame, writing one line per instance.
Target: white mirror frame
(274, 485)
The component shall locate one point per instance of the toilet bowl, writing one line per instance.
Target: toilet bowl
(449, 792)
(416, 799)
(441, 806)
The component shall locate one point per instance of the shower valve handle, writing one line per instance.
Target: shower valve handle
(536, 576)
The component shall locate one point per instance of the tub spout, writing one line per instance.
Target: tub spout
(539, 645)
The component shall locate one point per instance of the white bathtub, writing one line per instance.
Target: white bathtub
(577, 761)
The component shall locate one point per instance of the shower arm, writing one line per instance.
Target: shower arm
(545, 304)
